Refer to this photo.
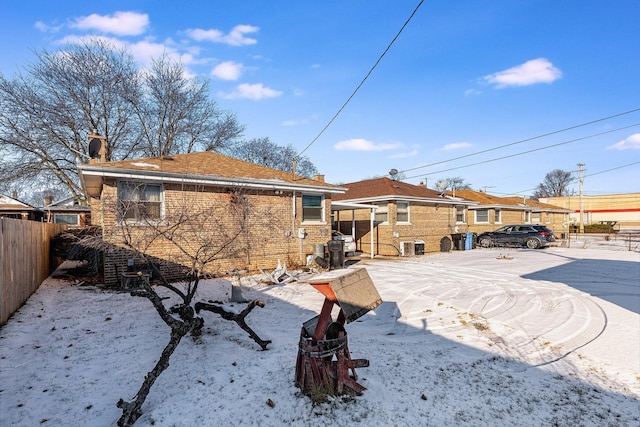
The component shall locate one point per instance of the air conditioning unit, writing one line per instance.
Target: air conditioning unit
(407, 248)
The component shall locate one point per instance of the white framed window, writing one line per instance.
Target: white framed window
(461, 216)
(497, 216)
(69, 219)
(536, 217)
(139, 201)
(382, 212)
(527, 217)
(312, 208)
(402, 212)
(482, 216)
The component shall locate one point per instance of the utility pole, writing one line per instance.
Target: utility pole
(581, 166)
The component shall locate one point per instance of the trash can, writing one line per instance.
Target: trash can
(419, 247)
(318, 250)
(445, 244)
(336, 253)
(458, 241)
(468, 241)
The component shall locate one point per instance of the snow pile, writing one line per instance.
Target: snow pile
(488, 337)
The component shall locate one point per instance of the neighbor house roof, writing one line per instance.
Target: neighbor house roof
(12, 204)
(205, 168)
(383, 189)
(516, 203)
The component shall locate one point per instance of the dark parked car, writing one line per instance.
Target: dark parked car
(529, 235)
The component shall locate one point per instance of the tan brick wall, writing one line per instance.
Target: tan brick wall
(269, 234)
(426, 223)
(552, 220)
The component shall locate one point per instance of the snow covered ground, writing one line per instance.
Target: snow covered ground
(488, 337)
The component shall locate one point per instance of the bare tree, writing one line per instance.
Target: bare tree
(450, 184)
(263, 152)
(200, 233)
(46, 113)
(48, 110)
(176, 114)
(556, 184)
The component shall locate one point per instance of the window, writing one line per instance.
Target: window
(536, 217)
(402, 212)
(482, 216)
(312, 208)
(497, 216)
(460, 214)
(69, 219)
(382, 213)
(138, 201)
(527, 217)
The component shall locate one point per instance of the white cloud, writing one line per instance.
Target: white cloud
(227, 70)
(411, 153)
(46, 28)
(455, 146)
(535, 71)
(254, 92)
(236, 36)
(630, 143)
(299, 122)
(359, 144)
(120, 23)
(470, 92)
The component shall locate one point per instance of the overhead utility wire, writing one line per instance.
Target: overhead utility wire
(363, 80)
(526, 152)
(524, 140)
(612, 169)
(591, 174)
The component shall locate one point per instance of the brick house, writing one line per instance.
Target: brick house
(67, 211)
(492, 212)
(274, 215)
(11, 207)
(406, 214)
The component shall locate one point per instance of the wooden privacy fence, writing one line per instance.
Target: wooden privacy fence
(25, 261)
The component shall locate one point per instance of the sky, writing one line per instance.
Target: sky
(496, 92)
(539, 347)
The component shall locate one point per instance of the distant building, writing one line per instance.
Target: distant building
(68, 211)
(11, 207)
(624, 209)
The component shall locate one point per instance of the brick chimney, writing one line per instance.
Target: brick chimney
(319, 178)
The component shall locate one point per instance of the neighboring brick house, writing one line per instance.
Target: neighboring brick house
(11, 207)
(405, 214)
(492, 212)
(283, 215)
(67, 211)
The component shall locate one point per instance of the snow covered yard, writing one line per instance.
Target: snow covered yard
(489, 337)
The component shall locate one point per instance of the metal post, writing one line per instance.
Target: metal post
(581, 165)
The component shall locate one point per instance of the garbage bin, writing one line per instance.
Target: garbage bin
(445, 244)
(468, 241)
(336, 253)
(458, 241)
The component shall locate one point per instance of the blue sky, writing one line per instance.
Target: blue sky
(463, 77)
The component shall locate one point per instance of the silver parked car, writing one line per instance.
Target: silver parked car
(349, 244)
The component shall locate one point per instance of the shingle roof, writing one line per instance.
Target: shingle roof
(380, 187)
(485, 199)
(204, 163)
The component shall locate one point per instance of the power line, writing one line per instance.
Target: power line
(363, 80)
(523, 152)
(524, 140)
(591, 174)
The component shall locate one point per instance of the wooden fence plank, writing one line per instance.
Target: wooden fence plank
(24, 261)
